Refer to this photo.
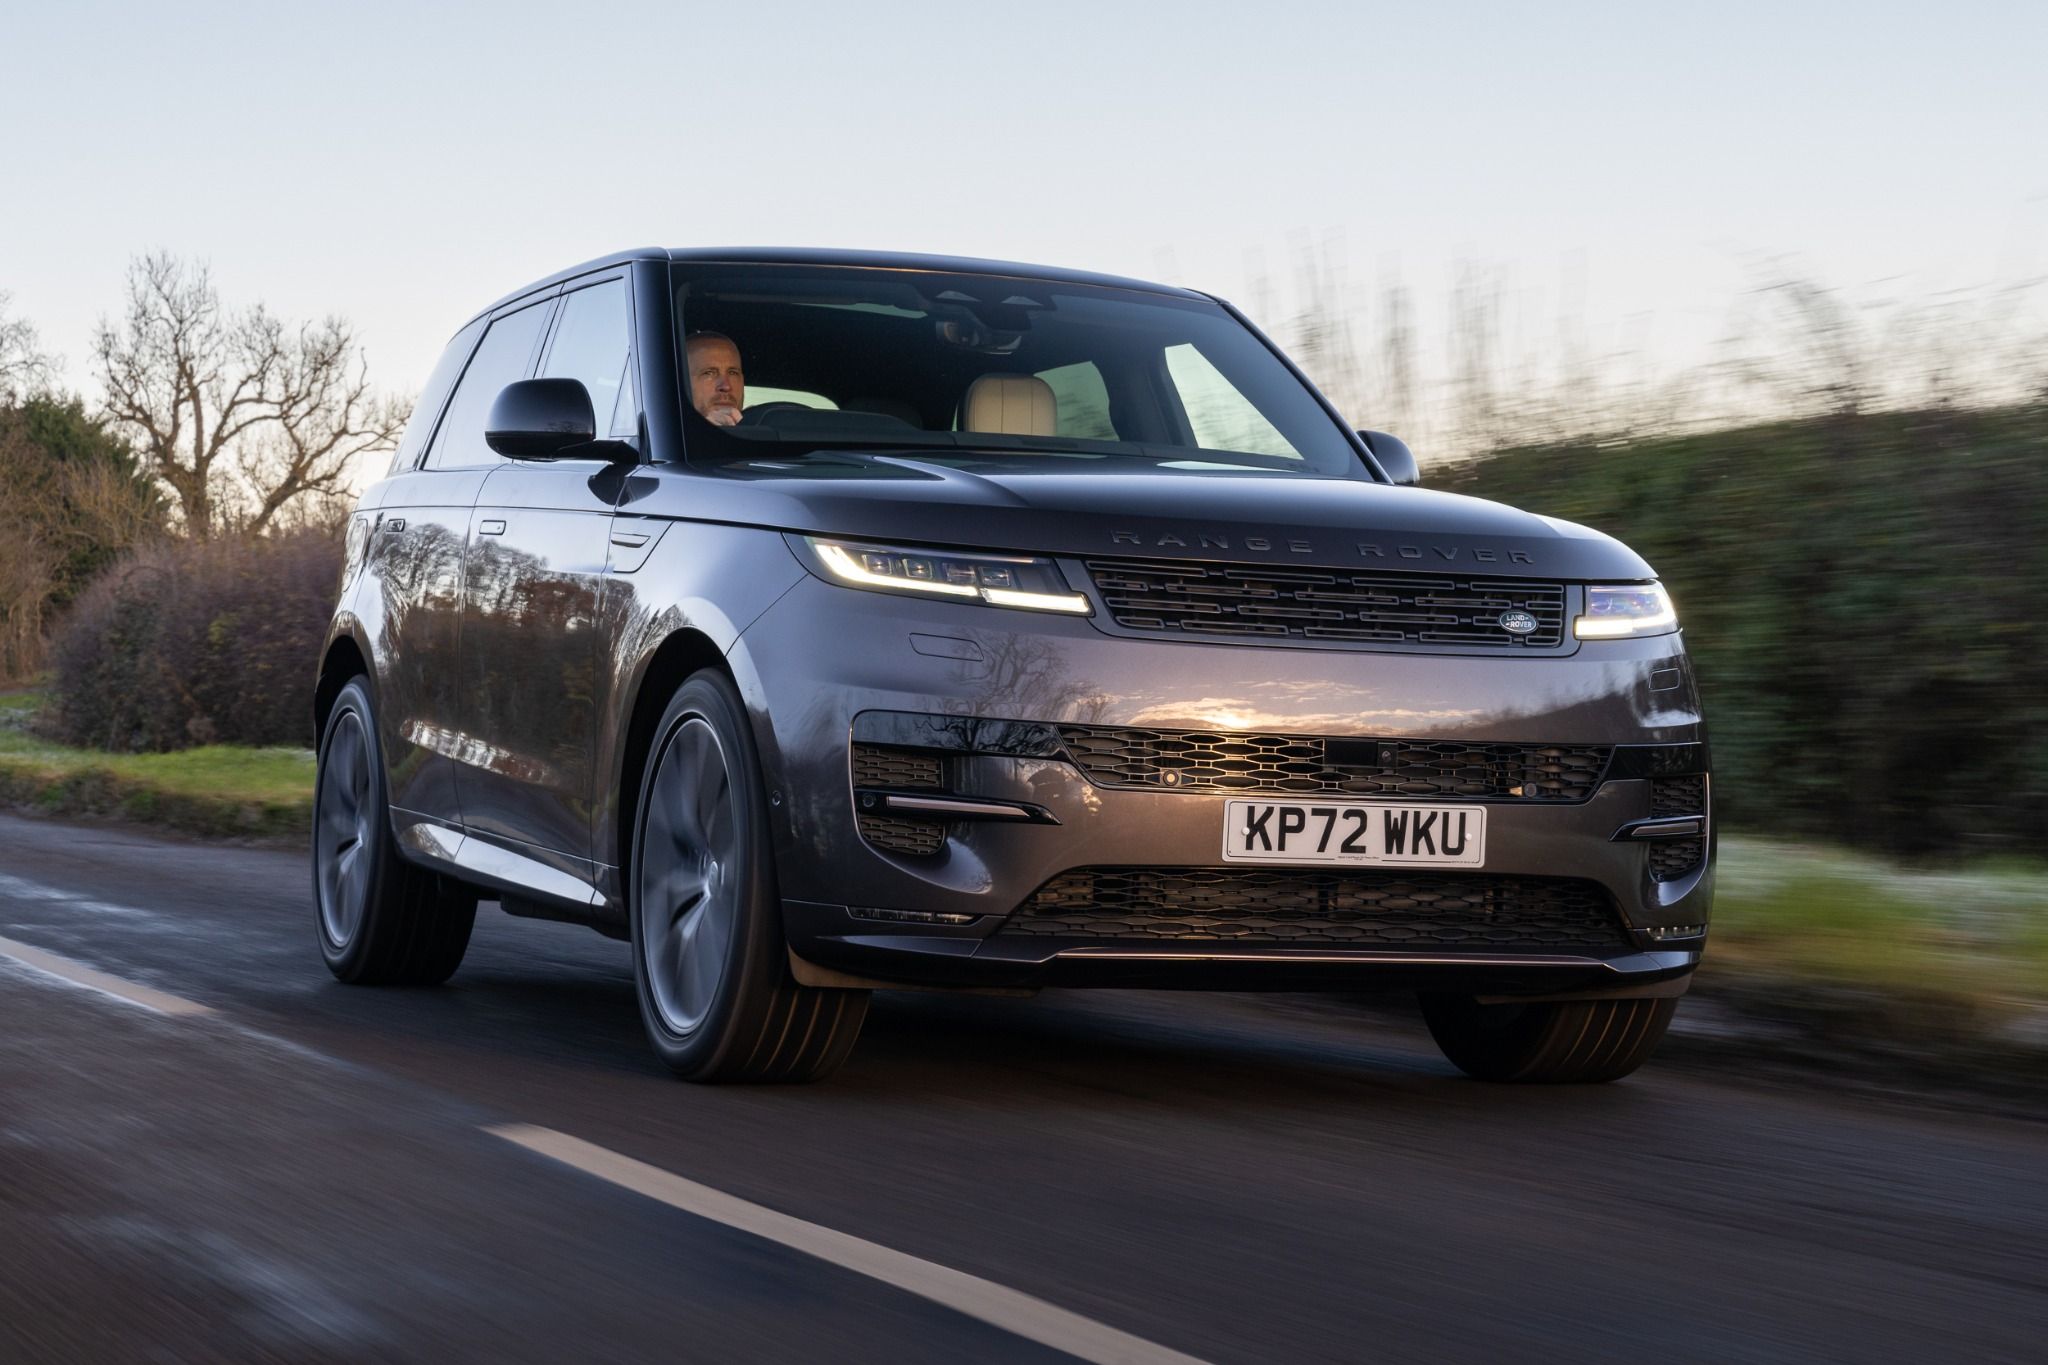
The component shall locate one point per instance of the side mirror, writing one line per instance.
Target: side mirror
(1394, 456)
(541, 419)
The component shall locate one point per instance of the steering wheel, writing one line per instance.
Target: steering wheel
(763, 411)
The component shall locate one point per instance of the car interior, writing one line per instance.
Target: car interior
(859, 358)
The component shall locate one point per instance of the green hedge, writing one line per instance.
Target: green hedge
(189, 643)
(1866, 598)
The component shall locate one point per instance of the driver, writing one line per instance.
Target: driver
(718, 387)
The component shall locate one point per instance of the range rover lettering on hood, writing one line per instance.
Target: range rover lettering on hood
(1327, 523)
(1366, 549)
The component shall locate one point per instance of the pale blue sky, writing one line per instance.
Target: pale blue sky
(406, 163)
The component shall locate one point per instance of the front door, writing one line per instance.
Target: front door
(528, 684)
(529, 676)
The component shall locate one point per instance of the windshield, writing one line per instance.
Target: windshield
(781, 360)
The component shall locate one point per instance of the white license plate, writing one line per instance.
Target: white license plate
(1369, 833)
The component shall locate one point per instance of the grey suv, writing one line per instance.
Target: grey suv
(825, 622)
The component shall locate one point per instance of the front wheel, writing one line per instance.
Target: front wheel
(1556, 1041)
(709, 959)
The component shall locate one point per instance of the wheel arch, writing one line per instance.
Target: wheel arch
(682, 653)
(345, 658)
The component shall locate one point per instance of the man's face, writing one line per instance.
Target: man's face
(717, 387)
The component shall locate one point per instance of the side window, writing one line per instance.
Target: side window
(1083, 401)
(590, 344)
(434, 397)
(626, 412)
(1222, 418)
(506, 352)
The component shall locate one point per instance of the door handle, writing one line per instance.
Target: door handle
(395, 525)
(492, 528)
(631, 540)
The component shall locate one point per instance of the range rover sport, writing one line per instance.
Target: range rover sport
(1003, 627)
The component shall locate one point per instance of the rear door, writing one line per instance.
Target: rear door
(530, 650)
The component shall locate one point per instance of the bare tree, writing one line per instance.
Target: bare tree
(240, 414)
(24, 368)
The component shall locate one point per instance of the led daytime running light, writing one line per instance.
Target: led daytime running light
(853, 571)
(1617, 625)
(844, 562)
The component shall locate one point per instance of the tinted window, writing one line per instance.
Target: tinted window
(433, 398)
(1221, 416)
(590, 345)
(970, 368)
(626, 412)
(504, 357)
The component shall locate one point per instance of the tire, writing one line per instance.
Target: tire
(1559, 1042)
(709, 959)
(380, 920)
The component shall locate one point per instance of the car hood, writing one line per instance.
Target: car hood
(1246, 518)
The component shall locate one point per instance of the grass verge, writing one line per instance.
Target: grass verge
(217, 791)
(1843, 958)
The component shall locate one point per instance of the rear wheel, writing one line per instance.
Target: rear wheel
(709, 958)
(380, 920)
(1556, 1041)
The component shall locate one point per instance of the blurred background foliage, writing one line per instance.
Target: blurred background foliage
(1863, 595)
(75, 500)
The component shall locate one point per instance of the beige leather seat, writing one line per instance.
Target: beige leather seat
(1011, 405)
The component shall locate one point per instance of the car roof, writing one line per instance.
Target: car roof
(871, 260)
(908, 260)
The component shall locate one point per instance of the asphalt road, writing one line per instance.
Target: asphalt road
(309, 1172)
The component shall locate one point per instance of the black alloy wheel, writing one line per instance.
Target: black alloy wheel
(380, 920)
(709, 959)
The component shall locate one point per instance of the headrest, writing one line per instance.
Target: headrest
(1010, 404)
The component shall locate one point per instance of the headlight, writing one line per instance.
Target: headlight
(1636, 609)
(991, 579)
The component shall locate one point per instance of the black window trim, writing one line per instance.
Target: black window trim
(622, 273)
(419, 460)
(549, 299)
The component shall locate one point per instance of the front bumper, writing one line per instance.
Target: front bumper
(827, 659)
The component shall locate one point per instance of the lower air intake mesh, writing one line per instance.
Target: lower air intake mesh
(1424, 912)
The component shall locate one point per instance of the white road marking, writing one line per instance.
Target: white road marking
(92, 979)
(1020, 1314)
(21, 888)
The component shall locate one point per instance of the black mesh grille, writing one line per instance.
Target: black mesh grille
(1335, 606)
(1180, 760)
(878, 765)
(1678, 796)
(1671, 859)
(893, 832)
(875, 765)
(1366, 909)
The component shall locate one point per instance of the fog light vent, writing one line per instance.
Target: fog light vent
(878, 765)
(1671, 859)
(919, 838)
(1679, 795)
